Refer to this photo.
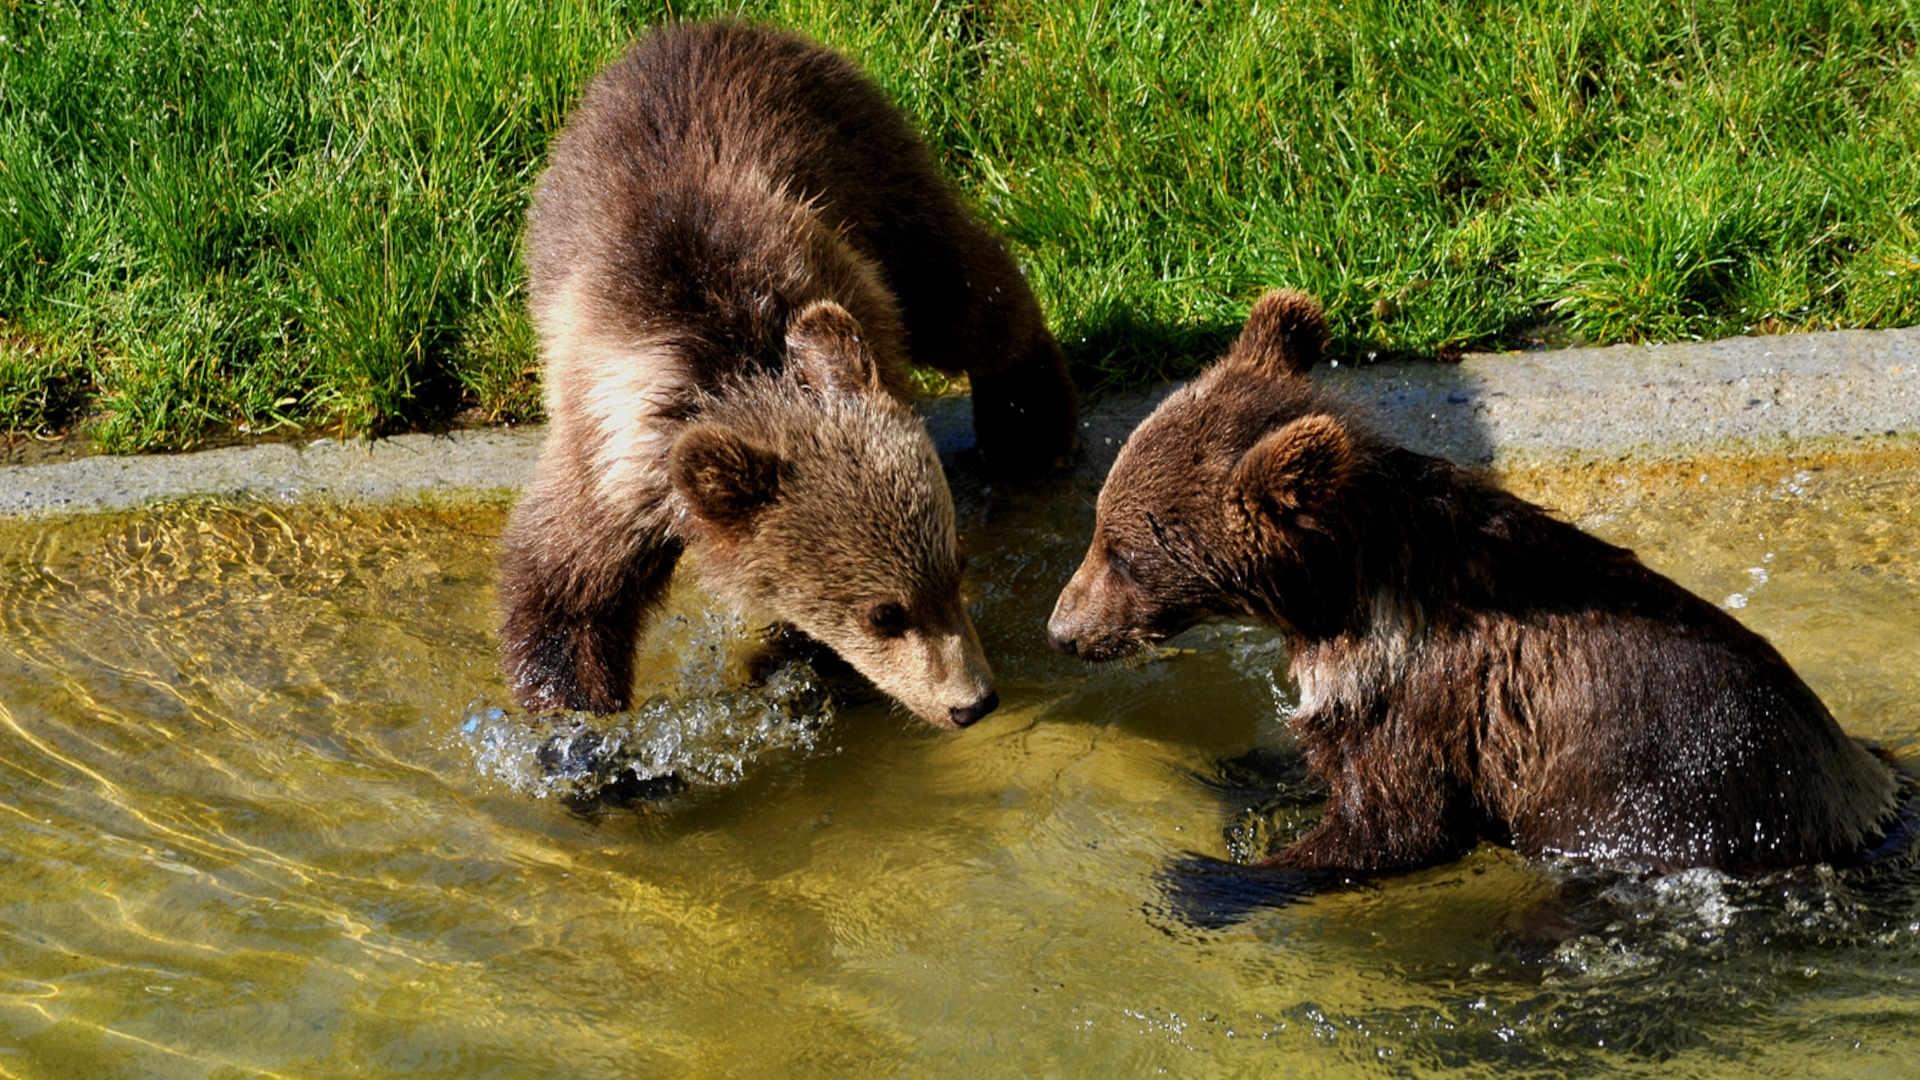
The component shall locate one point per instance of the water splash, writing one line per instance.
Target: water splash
(708, 732)
(662, 744)
(1262, 656)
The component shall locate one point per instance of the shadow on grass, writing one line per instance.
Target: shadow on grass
(1124, 349)
(1425, 401)
(437, 395)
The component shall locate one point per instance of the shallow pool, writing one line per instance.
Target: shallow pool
(260, 810)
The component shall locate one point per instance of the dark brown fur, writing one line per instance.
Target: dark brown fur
(737, 246)
(1470, 668)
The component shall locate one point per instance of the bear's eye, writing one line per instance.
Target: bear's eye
(887, 619)
(1119, 563)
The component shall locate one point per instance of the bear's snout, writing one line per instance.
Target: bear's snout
(1098, 618)
(940, 673)
(1061, 637)
(965, 717)
(1060, 633)
(1066, 627)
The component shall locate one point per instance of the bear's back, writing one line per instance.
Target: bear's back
(1652, 727)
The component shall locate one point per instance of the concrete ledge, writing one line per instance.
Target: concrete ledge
(1664, 401)
(324, 469)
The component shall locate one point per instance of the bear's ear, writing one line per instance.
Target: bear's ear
(1285, 334)
(1302, 466)
(827, 351)
(725, 479)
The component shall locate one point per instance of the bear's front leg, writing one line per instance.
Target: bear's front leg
(1025, 418)
(1369, 830)
(576, 585)
(1336, 854)
(1374, 824)
(1394, 802)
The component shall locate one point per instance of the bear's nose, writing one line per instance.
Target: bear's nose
(965, 717)
(1061, 642)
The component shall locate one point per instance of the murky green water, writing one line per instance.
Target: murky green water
(255, 815)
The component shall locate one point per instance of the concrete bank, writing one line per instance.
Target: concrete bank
(1760, 395)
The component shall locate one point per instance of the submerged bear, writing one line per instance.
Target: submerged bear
(1470, 668)
(736, 248)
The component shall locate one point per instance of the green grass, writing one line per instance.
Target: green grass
(277, 214)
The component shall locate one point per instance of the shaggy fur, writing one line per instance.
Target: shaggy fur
(1469, 667)
(735, 249)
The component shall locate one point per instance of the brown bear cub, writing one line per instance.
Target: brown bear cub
(735, 249)
(1469, 667)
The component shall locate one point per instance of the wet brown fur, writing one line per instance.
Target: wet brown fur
(1470, 668)
(736, 232)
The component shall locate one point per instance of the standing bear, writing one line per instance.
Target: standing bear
(1469, 667)
(735, 249)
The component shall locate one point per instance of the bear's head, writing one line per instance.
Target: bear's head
(1222, 501)
(817, 499)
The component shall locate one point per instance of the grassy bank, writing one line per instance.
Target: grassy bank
(293, 213)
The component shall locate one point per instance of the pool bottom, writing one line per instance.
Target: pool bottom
(246, 830)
